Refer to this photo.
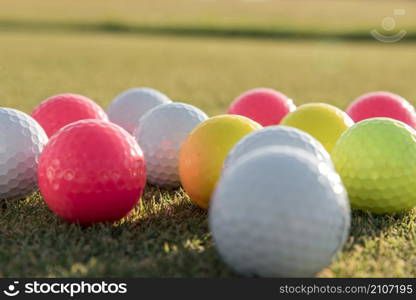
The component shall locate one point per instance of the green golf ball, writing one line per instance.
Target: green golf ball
(376, 161)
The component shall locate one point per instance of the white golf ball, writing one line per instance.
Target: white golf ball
(160, 135)
(23, 140)
(278, 136)
(128, 107)
(278, 212)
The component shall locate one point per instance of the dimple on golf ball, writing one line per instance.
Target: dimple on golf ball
(375, 159)
(277, 136)
(324, 122)
(22, 141)
(160, 134)
(60, 110)
(128, 107)
(203, 153)
(278, 212)
(91, 171)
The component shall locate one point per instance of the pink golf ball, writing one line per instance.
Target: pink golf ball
(60, 110)
(263, 105)
(91, 171)
(382, 104)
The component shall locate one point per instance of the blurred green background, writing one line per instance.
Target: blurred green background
(312, 50)
(203, 52)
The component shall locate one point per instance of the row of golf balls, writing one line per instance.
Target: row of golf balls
(281, 209)
(164, 128)
(182, 146)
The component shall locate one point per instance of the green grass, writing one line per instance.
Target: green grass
(274, 19)
(340, 14)
(250, 31)
(167, 236)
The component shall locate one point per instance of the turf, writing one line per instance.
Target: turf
(342, 14)
(167, 236)
(277, 19)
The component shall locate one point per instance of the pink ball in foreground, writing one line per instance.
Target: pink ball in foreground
(91, 171)
(60, 110)
(382, 104)
(263, 105)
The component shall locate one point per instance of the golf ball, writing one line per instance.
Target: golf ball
(160, 134)
(203, 153)
(263, 105)
(324, 122)
(22, 140)
(375, 161)
(382, 104)
(278, 213)
(128, 107)
(91, 171)
(277, 136)
(60, 110)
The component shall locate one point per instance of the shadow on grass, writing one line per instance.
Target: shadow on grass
(195, 30)
(166, 236)
(365, 226)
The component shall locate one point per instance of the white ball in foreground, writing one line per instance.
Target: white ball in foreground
(279, 212)
(277, 136)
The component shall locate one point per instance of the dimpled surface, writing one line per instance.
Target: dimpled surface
(91, 171)
(324, 122)
(128, 107)
(279, 213)
(160, 134)
(375, 159)
(203, 153)
(263, 105)
(60, 110)
(22, 140)
(382, 104)
(277, 136)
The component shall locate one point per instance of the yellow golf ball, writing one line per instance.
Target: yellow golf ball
(324, 122)
(204, 151)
